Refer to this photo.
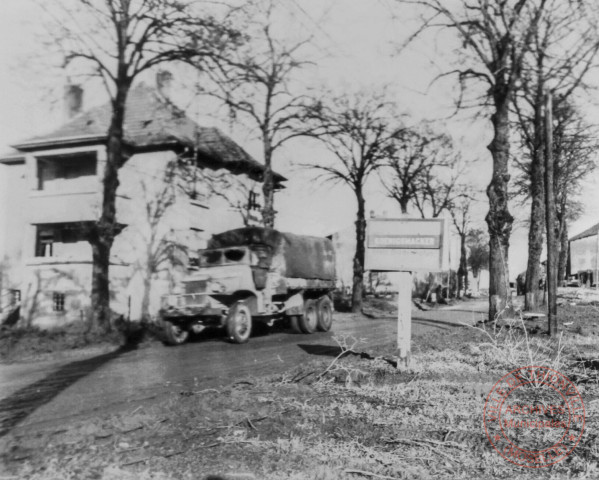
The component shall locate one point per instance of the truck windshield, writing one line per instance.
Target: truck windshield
(210, 258)
(234, 254)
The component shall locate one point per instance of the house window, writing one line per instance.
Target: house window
(61, 239)
(58, 302)
(53, 172)
(45, 242)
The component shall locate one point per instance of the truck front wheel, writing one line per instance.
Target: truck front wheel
(325, 314)
(173, 333)
(239, 323)
(308, 322)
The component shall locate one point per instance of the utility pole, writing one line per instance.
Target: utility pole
(551, 270)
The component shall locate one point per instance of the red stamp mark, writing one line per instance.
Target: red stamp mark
(534, 417)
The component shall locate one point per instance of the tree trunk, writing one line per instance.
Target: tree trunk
(356, 303)
(404, 206)
(562, 222)
(106, 228)
(145, 300)
(563, 254)
(268, 190)
(535, 248)
(100, 295)
(466, 281)
(537, 211)
(551, 269)
(463, 268)
(499, 219)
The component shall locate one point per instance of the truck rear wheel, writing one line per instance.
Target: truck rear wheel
(325, 314)
(174, 334)
(239, 323)
(308, 322)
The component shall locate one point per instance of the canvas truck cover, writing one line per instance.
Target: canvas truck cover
(293, 256)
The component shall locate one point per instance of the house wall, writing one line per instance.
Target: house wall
(584, 254)
(13, 222)
(185, 224)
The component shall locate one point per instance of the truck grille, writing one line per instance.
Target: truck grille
(195, 286)
(193, 300)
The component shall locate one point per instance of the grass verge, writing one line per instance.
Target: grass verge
(348, 417)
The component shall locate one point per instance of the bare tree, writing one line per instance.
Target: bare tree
(412, 173)
(496, 35)
(461, 216)
(257, 84)
(574, 146)
(563, 49)
(574, 158)
(359, 131)
(116, 41)
(201, 183)
(442, 185)
(478, 258)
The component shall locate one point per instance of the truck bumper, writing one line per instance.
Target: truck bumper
(191, 312)
(191, 306)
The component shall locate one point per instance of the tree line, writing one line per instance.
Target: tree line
(521, 51)
(517, 49)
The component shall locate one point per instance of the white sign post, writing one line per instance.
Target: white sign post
(404, 316)
(404, 246)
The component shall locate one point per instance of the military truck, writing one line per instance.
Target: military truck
(251, 276)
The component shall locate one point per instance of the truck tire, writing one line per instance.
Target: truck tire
(325, 314)
(308, 322)
(173, 333)
(239, 323)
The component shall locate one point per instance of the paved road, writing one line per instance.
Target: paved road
(34, 394)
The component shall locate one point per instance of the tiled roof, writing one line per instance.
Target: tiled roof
(153, 122)
(587, 233)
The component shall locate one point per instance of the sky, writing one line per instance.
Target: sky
(358, 47)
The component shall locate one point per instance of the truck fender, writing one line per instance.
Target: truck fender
(294, 305)
(254, 303)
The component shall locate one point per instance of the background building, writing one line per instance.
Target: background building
(583, 256)
(181, 183)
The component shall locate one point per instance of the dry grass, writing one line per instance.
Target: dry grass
(349, 417)
(32, 343)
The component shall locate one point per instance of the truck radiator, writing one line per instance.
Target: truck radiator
(192, 299)
(196, 286)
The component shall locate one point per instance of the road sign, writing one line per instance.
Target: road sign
(406, 245)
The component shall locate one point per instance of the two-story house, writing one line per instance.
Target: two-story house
(182, 183)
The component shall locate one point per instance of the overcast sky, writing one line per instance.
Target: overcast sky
(358, 47)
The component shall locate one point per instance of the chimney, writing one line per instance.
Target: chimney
(164, 80)
(73, 100)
